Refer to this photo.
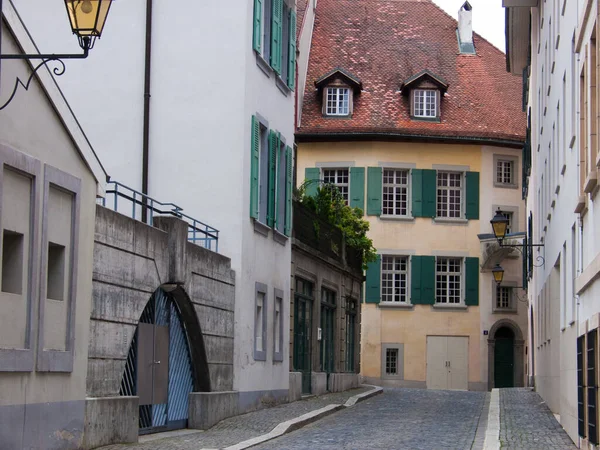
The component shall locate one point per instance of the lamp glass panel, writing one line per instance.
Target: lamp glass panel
(499, 228)
(88, 16)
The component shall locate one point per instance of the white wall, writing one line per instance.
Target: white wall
(556, 109)
(205, 88)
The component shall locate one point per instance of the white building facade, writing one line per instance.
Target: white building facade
(562, 101)
(217, 130)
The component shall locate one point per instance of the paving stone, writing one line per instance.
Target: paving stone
(246, 426)
(526, 423)
(408, 419)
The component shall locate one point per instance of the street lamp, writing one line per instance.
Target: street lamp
(499, 225)
(87, 18)
(498, 273)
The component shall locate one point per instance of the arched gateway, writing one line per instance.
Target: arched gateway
(162, 367)
(505, 355)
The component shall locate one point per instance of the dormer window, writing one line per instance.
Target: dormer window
(338, 101)
(425, 103)
(337, 90)
(425, 91)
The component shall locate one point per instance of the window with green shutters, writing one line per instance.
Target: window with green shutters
(472, 281)
(274, 37)
(472, 200)
(357, 187)
(312, 177)
(271, 178)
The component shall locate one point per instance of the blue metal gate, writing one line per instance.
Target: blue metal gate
(158, 368)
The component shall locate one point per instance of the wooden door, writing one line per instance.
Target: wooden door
(437, 362)
(458, 363)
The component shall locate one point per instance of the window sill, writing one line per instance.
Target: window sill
(263, 65)
(397, 218)
(279, 238)
(505, 185)
(337, 116)
(392, 305)
(505, 311)
(283, 87)
(261, 228)
(426, 119)
(450, 220)
(443, 307)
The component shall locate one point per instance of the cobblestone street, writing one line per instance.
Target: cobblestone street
(398, 419)
(411, 419)
(526, 423)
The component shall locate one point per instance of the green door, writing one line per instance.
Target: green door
(302, 326)
(504, 359)
(327, 331)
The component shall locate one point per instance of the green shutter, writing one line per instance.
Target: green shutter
(256, 35)
(415, 279)
(279, 188)
(472, 281)
(429, 192)
(357, 187)
(472, 197)
(422, 280)
(291, 81)
(271, 206)
(289, 175)
(373, 281)
(417, 193)
(276, 35)
(254, 165)
(428, 280)
(374, 190)
(312, 175)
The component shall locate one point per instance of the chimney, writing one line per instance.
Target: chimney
(465, 29)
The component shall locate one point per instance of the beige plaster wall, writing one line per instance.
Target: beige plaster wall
(30, 125)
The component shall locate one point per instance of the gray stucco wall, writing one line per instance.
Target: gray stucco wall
(131, 261)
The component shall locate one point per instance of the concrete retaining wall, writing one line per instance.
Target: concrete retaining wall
(131, 261)
(208, 408)
(295, 386)
(110, 420)
(339, 382)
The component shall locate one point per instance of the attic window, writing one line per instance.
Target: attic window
(337, 101)
(425, 103)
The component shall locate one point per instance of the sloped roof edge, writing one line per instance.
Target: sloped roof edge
(350, 78)
(442, 84)
(56, 98)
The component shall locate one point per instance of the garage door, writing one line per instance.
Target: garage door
(447, 362)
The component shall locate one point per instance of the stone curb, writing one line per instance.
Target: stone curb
(305, 419)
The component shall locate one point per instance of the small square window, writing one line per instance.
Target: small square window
(504, 297)
(425, 103)
(337, 101)
(391, 361)
(504, 172)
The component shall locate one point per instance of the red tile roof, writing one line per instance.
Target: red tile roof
(385, 42)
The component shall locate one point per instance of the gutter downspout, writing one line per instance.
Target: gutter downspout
(147, 79)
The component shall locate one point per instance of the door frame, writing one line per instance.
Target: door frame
(518, 352)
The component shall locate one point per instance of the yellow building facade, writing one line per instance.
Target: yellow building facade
(403, 342)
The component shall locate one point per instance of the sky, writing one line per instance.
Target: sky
(488, 17)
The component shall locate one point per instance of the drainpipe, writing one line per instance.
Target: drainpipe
(146, 130)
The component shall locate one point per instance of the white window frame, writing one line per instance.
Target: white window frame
(504, 293)
(340, 185)
(504, 169)
(425, 97)
(449, 189)
(389, 352)
(394, 186)
(444, 300)
(504, 159)
(396, 276)
(335, 110)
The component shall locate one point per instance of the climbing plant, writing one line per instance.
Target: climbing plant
(329, 205)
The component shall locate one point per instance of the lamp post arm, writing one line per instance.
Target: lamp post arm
(54, 56)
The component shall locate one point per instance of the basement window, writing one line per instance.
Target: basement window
(12, 262)
(56, 271)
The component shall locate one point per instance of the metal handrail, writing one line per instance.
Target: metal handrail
(199, 232)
